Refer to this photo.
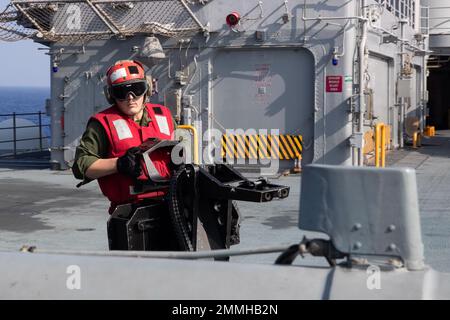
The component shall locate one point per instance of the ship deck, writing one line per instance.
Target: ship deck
(43, 208)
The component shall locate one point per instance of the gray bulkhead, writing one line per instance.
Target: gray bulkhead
(439, 25)
(384, 68)
(236, 80)
(437, 14)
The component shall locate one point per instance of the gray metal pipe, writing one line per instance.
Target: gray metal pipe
(57, 115)
(166, 254)
(402, 100)
(362, 58)
(425, 86)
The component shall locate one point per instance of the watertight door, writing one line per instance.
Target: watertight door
(380, 82)
(266, 89)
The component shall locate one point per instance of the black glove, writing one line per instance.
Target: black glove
(130, 163)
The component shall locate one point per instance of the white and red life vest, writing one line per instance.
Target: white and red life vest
(124, 133)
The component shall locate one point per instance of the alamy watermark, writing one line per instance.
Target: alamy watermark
(373, 281)
(234, 147)
(73, 21)
(73, 281)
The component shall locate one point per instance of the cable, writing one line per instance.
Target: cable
(165, 254)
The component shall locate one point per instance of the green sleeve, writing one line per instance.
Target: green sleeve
(93, 145)
(174, 123)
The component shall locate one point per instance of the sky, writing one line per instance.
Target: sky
(22, 64)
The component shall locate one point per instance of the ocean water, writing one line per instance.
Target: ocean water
(24, 100)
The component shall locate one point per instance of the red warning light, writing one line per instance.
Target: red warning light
(233, 19)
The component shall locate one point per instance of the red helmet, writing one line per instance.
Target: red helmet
(125, 71)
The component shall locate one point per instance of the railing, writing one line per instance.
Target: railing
(425, 20)
(15, 128)
(402, 9)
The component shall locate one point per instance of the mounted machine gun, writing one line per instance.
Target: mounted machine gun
(198, 211)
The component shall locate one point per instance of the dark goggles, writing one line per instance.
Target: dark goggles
(121, 92)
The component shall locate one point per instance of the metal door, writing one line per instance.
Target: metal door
(265, 89)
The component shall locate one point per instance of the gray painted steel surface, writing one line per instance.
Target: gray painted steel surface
(365, 211)
(439, 25)
(43, 276)
(292, 93)
(439, 13)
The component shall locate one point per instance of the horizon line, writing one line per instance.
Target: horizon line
(24, 86)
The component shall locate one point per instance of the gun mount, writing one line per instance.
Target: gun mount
(199, 210)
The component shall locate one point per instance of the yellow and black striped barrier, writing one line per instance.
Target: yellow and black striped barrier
(258, 146)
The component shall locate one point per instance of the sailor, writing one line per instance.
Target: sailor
(108, 148)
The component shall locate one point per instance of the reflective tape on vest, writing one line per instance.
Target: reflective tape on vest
(122, 129)
(163, 125)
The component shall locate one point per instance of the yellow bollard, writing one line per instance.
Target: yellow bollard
(430, 131)
(377, 144)
(381, 132)
(383, 145)
(415, 139)
(195, 136)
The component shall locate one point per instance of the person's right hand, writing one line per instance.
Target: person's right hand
(130, 163)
